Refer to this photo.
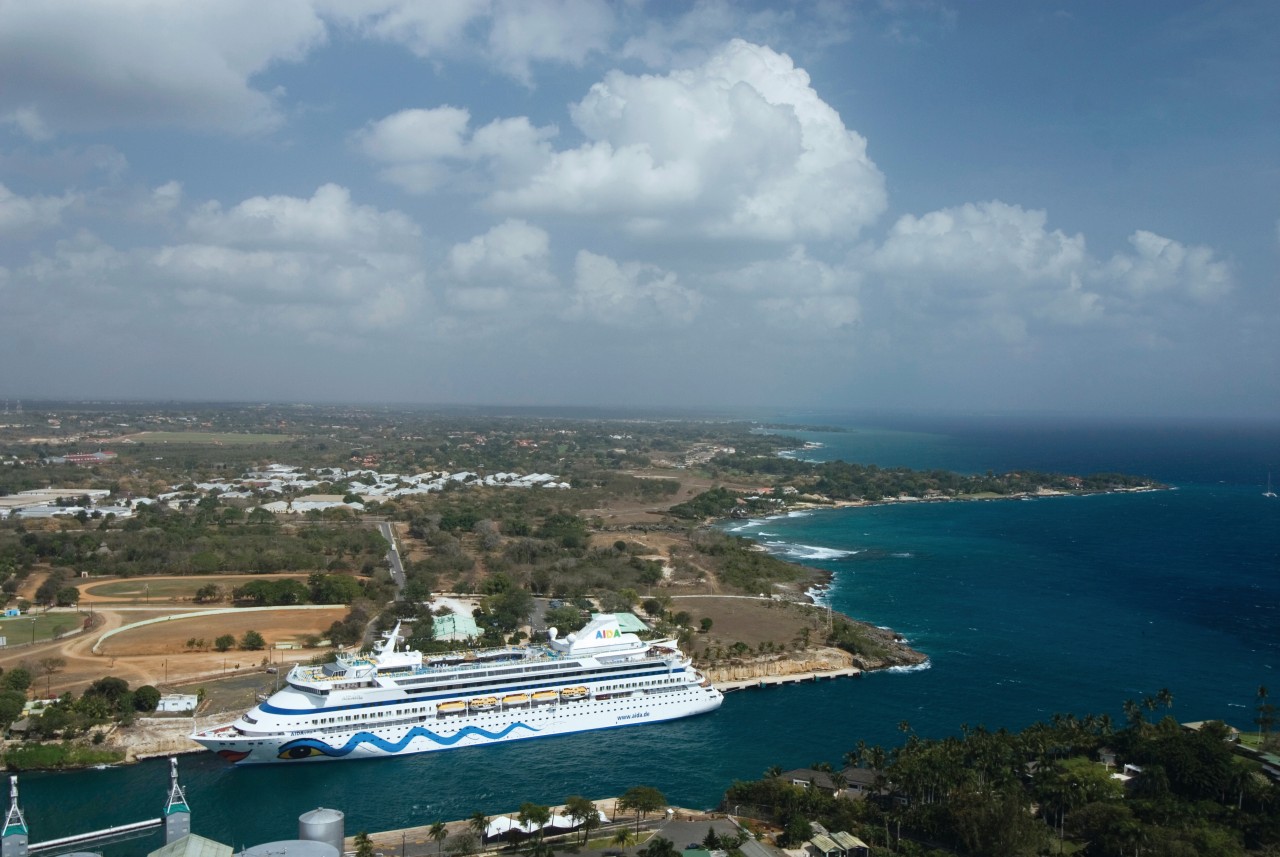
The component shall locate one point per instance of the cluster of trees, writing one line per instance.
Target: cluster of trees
(1004, 793)
(719, 502)
(57, 590)
(204, 540)
(320, 588)
(841, 480)
(107, 700)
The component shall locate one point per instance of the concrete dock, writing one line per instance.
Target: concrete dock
(791, 678)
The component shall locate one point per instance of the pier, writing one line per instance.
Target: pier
(791, 678)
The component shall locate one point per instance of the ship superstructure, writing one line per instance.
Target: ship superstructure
(392, 702)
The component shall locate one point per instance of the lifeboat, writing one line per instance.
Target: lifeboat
(515, 699)
(483, 703)
(451, 707)
(573, 693)
(545, 696)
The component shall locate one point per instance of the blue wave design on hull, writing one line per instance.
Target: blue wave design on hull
(306, 748)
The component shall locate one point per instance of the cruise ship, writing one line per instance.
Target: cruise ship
(390, 703)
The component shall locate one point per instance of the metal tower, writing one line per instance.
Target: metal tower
(177, 815)
(13, 841)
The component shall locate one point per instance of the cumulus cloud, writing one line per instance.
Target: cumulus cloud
(988, 244)
(513, 252)
(631, 294)
(1159, 265)
(421, 149)
(795, 291)
(125, 64)
(740, 146)
(328, 219)
(25, 213)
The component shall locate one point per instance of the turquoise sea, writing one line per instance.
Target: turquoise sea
(1070, 604)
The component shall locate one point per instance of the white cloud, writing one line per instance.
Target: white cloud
(631, 294)
(130, 63)
(424, 28)
(796, 291)
(1158, 265)
(988, 244)
(739, 147)
(328, 220)
(422, 149)
(513, 252)
(23, 213)
(510, 34)
(27, 120)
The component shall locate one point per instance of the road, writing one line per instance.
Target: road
(393, 556)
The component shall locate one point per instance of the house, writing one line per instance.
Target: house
(860, 782)
(810, 778)
(852, 845)
(177, 702)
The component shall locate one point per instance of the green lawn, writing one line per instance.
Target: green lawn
(18, 629)
(141, 588)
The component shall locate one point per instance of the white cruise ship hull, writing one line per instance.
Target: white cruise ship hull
(447, 731)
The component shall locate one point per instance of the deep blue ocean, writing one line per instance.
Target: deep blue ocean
(1069, 604)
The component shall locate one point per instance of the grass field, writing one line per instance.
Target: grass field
(18, 629)
(215, 438)
(168, 588)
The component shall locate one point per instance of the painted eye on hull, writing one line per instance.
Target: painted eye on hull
(303, 752)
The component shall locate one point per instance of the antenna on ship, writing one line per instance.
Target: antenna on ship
(177, 815)
(13, 841)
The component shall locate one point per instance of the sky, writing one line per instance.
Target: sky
(997, 207)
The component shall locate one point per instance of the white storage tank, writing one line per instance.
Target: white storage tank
(323, 825)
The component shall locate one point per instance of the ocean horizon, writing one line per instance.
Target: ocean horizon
(1061, 604)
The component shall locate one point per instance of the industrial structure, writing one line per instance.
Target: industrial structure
(321, 833)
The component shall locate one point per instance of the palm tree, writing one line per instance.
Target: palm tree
(479, 823)
(624, 838)
(439, 833)
(659, 846)
(364, 845)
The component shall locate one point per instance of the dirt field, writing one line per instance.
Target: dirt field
(157, 655)
(169, 638)
(749, 620)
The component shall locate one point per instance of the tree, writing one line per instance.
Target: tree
(18, 678)
(659, 846)
(534, 815)
(224, 642)
(641, 800)
(146, 698)
(252, 641)
(439, 833)
(624, 838)
(364, 845)
(584, 812)
(479, 823)
(49, 666)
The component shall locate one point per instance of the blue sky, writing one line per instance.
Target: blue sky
(903, 204)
